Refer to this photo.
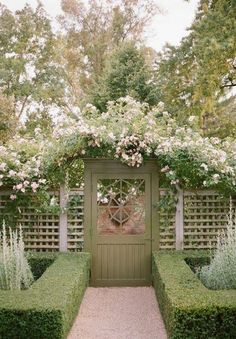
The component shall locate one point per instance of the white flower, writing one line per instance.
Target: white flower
(42, 181)
(34, 186)
(37, 131)
(216, 178)
(161, 105)
(165, 114)
(17, 162)
(11, 173)
(191, 118)
(13, 197)
(21, 175)
(53, 201)
(125, 156)
(204, 166)
(165, 169)
(19, 186)
(174, 182)
(104, 200)
(3, 166)
(111, 136)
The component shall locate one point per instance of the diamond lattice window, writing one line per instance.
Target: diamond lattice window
(121, 206)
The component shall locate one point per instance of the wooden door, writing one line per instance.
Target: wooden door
(121, 227)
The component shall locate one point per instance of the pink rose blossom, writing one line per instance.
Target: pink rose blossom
(19, 186)
(34, 186)
(13, 197)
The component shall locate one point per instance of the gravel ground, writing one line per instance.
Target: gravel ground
(119, 313)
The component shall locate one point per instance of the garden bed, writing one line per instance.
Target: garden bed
(189, 309)
(47, 309)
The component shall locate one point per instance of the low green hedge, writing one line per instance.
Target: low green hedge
(47, 309)
(189, 309)
(39, 262)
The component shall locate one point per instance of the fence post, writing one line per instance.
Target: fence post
(179, 220)
(63, 219)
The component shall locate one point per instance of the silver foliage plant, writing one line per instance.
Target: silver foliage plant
(15, 272)
(221, 273)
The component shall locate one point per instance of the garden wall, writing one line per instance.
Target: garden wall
(194, 224)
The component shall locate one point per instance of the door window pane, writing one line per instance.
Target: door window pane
(121, 206)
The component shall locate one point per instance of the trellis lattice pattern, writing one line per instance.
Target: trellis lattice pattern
(205, 213)
(167, 227)
(75, 230)
(41, 230)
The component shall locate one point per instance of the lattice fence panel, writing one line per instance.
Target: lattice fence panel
(205, 213)
(41, 231)
(75, 234)
(167, 228)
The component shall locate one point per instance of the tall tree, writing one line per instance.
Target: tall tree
(28, 72)
(7, 118)
(193, 77)
(125, 73)
(94, 30)
(223, 123)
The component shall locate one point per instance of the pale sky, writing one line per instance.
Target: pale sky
(169, 27)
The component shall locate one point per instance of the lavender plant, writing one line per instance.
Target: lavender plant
(221, 273)
(15, 272)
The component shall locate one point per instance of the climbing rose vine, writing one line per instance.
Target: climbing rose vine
(129, 131)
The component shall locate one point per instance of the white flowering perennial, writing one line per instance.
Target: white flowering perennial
(221, 273)
(15, 272)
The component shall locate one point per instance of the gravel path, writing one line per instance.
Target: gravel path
(119, 313)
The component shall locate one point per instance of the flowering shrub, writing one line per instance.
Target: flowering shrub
(129, 131)
(15, 272)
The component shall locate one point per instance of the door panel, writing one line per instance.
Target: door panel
(121, 262)
(121, 229)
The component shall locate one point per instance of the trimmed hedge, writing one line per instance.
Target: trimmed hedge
(189, 309)
(47, 309)
(39, 262)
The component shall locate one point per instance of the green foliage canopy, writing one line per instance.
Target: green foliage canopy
(29, 74)
(195, 75)
(125, 73)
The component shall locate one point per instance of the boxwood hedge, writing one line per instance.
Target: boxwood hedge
(39, 262)
(189, 309)
(47, 309)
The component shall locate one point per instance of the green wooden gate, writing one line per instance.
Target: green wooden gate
(121, 221)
